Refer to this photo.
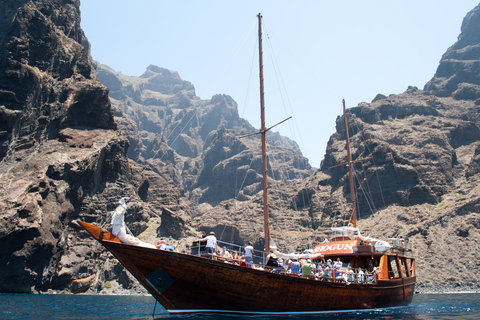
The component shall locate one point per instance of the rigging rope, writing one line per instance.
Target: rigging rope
(374, 164)
(236, 50)
(284, 94)
(245, 177)
(154, 308)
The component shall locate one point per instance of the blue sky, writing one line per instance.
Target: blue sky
(316, 53)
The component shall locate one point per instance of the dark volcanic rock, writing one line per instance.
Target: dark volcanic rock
(421, 182)
(46, 78)
(194, 143)
(62, 159)
(458, 74)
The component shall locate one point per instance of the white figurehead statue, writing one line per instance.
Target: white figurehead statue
(120, 230)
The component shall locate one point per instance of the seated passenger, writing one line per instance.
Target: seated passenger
(280, 265)
(272, 260)
(242, 261)
(235, 258)
(288, 266)
(307, 268)
(319, 271)
(327, 273)
(224, 253)
(162, 245)
(295, 267)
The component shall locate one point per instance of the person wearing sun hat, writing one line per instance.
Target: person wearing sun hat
(161, 244)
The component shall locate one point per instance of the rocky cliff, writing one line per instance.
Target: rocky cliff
(195, 143)
(70, 149)
(421, 183)
(62, 157)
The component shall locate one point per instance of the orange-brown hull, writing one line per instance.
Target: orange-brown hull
(184, 283)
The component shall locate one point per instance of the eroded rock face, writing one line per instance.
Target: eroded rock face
(62, 158)
(458, 72)
(195, 143)
(421, 182)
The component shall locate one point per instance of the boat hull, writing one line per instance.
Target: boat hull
(184, 283)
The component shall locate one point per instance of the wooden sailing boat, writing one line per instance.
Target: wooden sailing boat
(188, 283)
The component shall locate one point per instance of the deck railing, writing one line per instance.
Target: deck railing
(259, 258)
(198, 248)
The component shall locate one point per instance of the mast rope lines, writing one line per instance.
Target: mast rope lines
(349, 163)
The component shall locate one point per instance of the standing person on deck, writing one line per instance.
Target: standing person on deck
(249, 253)
(211, 243)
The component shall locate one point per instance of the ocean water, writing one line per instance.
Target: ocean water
(458, 306)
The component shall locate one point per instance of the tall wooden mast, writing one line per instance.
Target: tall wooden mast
(263, 132)
(349, 164)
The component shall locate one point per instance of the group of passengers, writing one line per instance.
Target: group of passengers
(210, 247)
(320, 270)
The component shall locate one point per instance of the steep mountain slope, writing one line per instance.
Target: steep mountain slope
(62, 157)
(195, 143)
(68, 151)
(422, 182)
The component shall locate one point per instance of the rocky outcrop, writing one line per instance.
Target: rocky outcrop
(458, 73)
(421, 182)
(195, 143)
(62, 158)
(68, 151)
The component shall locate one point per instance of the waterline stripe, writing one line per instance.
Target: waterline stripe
(191, 311)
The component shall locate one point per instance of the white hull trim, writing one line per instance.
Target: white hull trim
(214, 311)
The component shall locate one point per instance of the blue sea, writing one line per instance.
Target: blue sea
(459, 306)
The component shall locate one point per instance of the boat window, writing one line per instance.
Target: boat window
(393, 271)
(403, 264)
(341, 233)
(346, 263)
(409, 265)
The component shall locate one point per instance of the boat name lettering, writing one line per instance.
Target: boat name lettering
(342, 246)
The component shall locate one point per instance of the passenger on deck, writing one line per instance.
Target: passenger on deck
(349, 275)
(327, 273)
(338, 263)
(307, 269)
(272, 260)
(242, 261)
(211, 243)
(224, 253)
(288, 266)
(235, 258)
(361, 276)
(162, 245)
(329, 263)
(319, 271)
(338, 268)
(374, 276)
(295, 267)
(280, 265)
(249, 253)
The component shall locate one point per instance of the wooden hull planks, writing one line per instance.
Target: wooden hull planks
(184, 283)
